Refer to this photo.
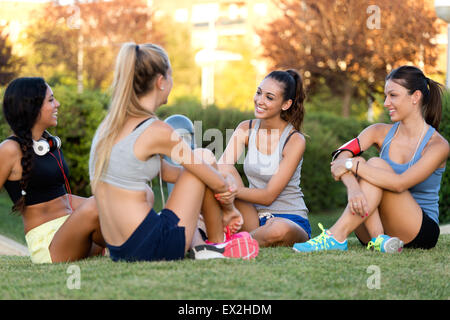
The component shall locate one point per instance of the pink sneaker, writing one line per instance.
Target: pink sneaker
(242, 234)
(243, 247)
(229, 237)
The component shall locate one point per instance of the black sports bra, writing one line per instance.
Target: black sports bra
(46, 182)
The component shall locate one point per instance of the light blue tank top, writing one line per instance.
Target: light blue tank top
(124, 169)
(425, 193)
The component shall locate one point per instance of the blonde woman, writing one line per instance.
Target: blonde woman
(125, 155)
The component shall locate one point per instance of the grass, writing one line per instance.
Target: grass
(277, 273)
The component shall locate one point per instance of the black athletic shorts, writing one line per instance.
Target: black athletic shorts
(426, 238)
(428, 234)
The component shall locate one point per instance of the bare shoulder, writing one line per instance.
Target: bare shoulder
(374, 134)
(378, 129)
(296, 143)
(244, 125)
(9, 149)
(160, 134)
(10, 153)
(160, 129)
(439, 142)
(243, 130)
(297, 138)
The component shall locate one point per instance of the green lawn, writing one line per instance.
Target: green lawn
(277, 273)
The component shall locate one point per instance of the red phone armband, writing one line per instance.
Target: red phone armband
(353, 146)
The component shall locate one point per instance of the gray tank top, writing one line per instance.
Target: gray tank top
(124, 169)
(259, 169)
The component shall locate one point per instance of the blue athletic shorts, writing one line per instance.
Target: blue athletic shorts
(158, 237)
(302, 222)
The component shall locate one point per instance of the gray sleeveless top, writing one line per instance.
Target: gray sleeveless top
(259, 169)
(124, 169)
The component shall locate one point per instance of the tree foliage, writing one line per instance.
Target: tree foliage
(99, 26)
(9, 63)
(351, 44)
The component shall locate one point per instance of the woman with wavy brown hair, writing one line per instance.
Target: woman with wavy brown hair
(59, 227)
(272, 207)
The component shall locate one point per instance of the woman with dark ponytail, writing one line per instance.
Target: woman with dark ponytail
(272, 207)
(393, 198)
(58, 227)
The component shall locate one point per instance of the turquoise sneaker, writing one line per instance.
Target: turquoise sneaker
(384, 243)
(324, 241)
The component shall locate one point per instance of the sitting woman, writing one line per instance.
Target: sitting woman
(393, 199)
(59, 227)
(272, 207)
(125, 156)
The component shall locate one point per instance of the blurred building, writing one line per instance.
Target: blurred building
(210, 22)
(230, 17)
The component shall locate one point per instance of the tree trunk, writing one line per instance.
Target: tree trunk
(347, 99)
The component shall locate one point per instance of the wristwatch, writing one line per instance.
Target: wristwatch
(349, 164)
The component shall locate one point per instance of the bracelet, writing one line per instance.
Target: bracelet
(356, 171)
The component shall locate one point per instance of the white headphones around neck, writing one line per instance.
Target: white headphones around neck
(43, 146)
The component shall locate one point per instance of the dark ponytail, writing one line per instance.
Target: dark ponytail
(432, 107)
(293, 90)
(22, 104)
(412, 78)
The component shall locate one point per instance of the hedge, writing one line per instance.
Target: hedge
(80, 115)
(444, 194)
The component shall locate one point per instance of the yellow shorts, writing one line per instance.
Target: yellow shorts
(39, 239)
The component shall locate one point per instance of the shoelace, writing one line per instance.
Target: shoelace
(375, 245)
(320, 240)
(227, 233)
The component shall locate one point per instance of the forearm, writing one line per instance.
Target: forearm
(255, 195)
(349, 180)
(380, 177)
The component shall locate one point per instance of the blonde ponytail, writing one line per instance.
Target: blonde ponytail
(137, 67)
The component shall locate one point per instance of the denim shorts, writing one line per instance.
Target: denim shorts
(158, 237)
(299, 220)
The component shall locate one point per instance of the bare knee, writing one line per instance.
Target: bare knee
(205, 155)
(228, 169)
(89, 211)
(274, 232)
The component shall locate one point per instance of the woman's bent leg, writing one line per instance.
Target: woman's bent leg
(279, 232)
(77, 237)
(185, 201)
(399, 213)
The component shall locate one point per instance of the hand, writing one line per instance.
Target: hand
(228, 196)
(338, 168)
(357, 202)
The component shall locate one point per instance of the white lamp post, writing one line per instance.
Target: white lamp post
(443, 11)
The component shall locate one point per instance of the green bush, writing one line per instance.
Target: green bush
(325, 133)
(78, 118)
(444, 193)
